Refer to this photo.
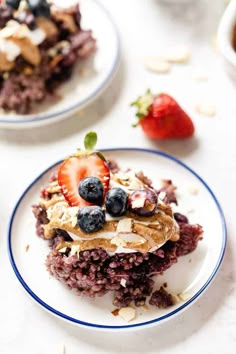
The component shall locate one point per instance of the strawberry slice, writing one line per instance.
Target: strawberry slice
(76, 168)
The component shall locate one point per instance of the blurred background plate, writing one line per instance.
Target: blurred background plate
(90, 77)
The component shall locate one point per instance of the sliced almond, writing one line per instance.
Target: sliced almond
(177, 54)
(62, 250)
(138, 203)
(175, 298)
(29, 51)
(127, 313)
(162, 195)
(206, 109)
(75, 249)
(157, 65)
(118, 241)
(124, 226)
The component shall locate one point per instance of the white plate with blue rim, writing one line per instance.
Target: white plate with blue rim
(90, 77)
(28, 252)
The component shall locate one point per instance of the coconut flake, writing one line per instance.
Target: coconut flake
(127, 313)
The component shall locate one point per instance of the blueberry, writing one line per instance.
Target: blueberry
(116, 201)
(13, 3)
(91, 218)
(39, 7)
(91, 189)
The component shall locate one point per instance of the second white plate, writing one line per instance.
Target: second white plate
(89, 79)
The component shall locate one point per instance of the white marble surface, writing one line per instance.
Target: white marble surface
(209, 326)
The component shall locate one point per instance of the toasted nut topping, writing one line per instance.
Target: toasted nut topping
(178, 54)
(123, 282)
(124, 226)
(127, 313)
(157, 65)
(206, 109)
(118, 241)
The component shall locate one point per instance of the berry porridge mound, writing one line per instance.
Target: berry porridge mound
(95, 271)
(40, 44)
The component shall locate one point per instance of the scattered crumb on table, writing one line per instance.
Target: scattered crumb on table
(115, 312)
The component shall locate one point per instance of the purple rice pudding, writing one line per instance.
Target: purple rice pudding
(141, 244)
(40, 44)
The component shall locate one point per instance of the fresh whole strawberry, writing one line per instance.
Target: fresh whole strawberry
(161, 117)
(84, 164)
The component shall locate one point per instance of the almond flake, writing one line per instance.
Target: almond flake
(145, 308)
(206, 109)
(157, 65)
(123, 282)
(75, 249)
(135, 183)
(177, 54)
(138, 203)
(118, 241)
(162, 195)
(121, 175)
(175, 298)
(184, 296)
(62, 250)
(127, 313)
(124, 226)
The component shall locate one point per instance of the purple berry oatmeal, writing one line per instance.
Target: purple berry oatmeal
(39, 47)
(129, 274)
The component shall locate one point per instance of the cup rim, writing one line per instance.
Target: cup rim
(224, 34)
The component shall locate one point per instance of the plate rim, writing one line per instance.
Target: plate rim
(155, 321)
(35, 119)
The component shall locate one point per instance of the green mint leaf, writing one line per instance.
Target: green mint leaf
(90, 140)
